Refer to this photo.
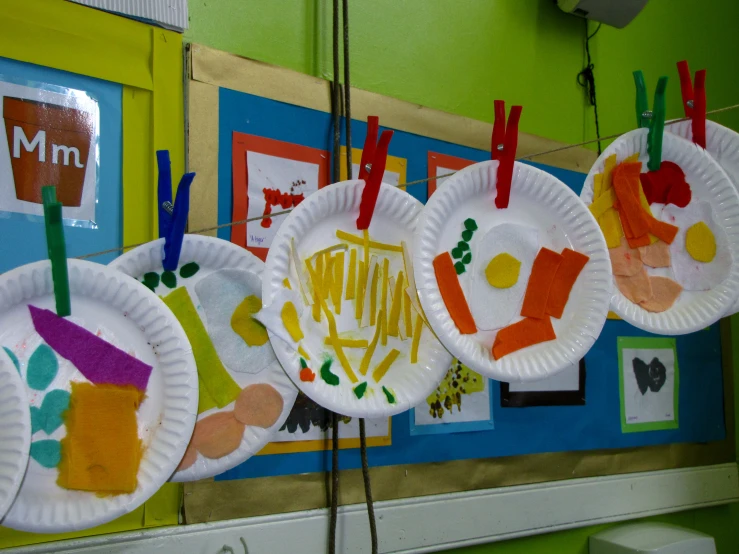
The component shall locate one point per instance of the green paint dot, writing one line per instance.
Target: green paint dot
(13, 358)
(330, 378)
(42, 367)
(303, 365)
(467, 258)
(360, 389)
(389, 395)
(457, 253)
(467, 235)
(459, 266)
(151, 280)
(169, 279)
(48, 453)
(470, 224)
(462, 245)
(188, 270)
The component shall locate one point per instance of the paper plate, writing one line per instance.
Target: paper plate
(15, 432)
(127, 314)
(693, 310)
(540, 202)
(218, 258)
(723, 145)
(313, 225)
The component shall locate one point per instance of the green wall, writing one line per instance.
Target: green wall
(458, 56)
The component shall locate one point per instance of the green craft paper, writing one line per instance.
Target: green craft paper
(13, 358)
(360, 389)
(48, 417)
(211, 373)
(48, 453)
(42, 367)
(327, 375)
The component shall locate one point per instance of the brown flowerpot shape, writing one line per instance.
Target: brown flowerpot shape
(49, 145)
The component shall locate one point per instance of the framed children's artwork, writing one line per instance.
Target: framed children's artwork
(462, 402)
(649, 383)
(566, 388)
(271, 176)
(443, 164)
(395, 168)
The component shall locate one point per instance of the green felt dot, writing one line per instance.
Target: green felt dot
(169, 279)
(42, 368)
(459, 267)
(302, 363)
(48, 453)
(13, 358)
(470, 224)
(389, 395)
(151, 280)
(326, 374)
(467, 258)
(457, 253)
(467, 235)
(49, 416)
(462, 245)
(188, 270)
(360, 389)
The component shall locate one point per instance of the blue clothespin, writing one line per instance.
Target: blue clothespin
(172, 217)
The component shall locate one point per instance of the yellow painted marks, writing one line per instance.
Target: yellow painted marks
(291, 321)
(286, 283)
(303, 353)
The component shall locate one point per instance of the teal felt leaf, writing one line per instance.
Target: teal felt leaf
(42, 367)
(13, 358)
(169, 279)
(48, 453)
(49, 416)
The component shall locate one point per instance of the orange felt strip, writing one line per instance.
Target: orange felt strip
(661, 230)
(537, 291)
(451, 293)
(564, 280)
(633, 215)
(526, 332)
(101, 451)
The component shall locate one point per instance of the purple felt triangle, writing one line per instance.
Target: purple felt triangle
(98, 360)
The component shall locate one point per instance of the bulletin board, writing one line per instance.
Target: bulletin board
(134, 71)
(528, 437)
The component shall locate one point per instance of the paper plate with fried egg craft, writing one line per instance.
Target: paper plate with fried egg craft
(244, 395)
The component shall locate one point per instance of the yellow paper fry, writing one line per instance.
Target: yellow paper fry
(364, 364)
(361, 286)
(416, 339)
(407, 314)
(291, 321)
(349, 343)
(392, 326)
(365, 240)
(373, 285)
(351, 286)
(337, 287)
(382, 368)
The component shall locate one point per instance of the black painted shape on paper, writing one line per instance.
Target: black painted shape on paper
(652, 376)
(306, 413)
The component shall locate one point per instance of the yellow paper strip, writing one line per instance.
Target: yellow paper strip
(316, 285)
(597, 185)
(383, 300)
(286, 283)
(361, 286)
(407, 314)
(373, 286)
(379, 372)
(364, 240)
(349, 343)
(299, 272)
(337, 289)
(602, 203)
(393, 296)
(610, 224)
(370, 294)
(367, 358)
(351, 277)
(303, 353)
(416, 339)
(329, 249)
(328, 276)
(608, 167)
(392, 326)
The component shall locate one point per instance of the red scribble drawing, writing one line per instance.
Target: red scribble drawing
(286, 200)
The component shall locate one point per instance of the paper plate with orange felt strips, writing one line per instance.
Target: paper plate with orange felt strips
(517, 292)
(341, 306)
(245, 396)
(672, 233)
(113, 394)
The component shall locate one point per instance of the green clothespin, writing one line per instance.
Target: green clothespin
(654, 120)
(57, 250)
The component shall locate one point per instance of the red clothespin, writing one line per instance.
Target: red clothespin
(503, 148)
(694, 100)
(371, 170)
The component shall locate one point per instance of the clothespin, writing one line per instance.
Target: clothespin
(694, 101)
(504, 143)
(372, 170)
(57, 250)
(172, 217)
(653, 120)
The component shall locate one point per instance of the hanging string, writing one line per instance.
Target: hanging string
(347, 92)
(416, 182)
(335, 98)
(586, 79)
(334, 483)
(367, 484)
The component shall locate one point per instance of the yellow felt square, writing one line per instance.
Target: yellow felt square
(597, 185)
(610, 224)
(102, 450)
(602, 203)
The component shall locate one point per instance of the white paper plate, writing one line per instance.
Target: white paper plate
(723, 145)
(15, 432)
(130, 316)
(313, 224)
(213, 254)
(537, 200)
(693, 310)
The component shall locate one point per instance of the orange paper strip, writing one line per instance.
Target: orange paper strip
(537, 291)
(451, 293)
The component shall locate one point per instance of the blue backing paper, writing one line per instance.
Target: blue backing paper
(23, 241)
(596, 425)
